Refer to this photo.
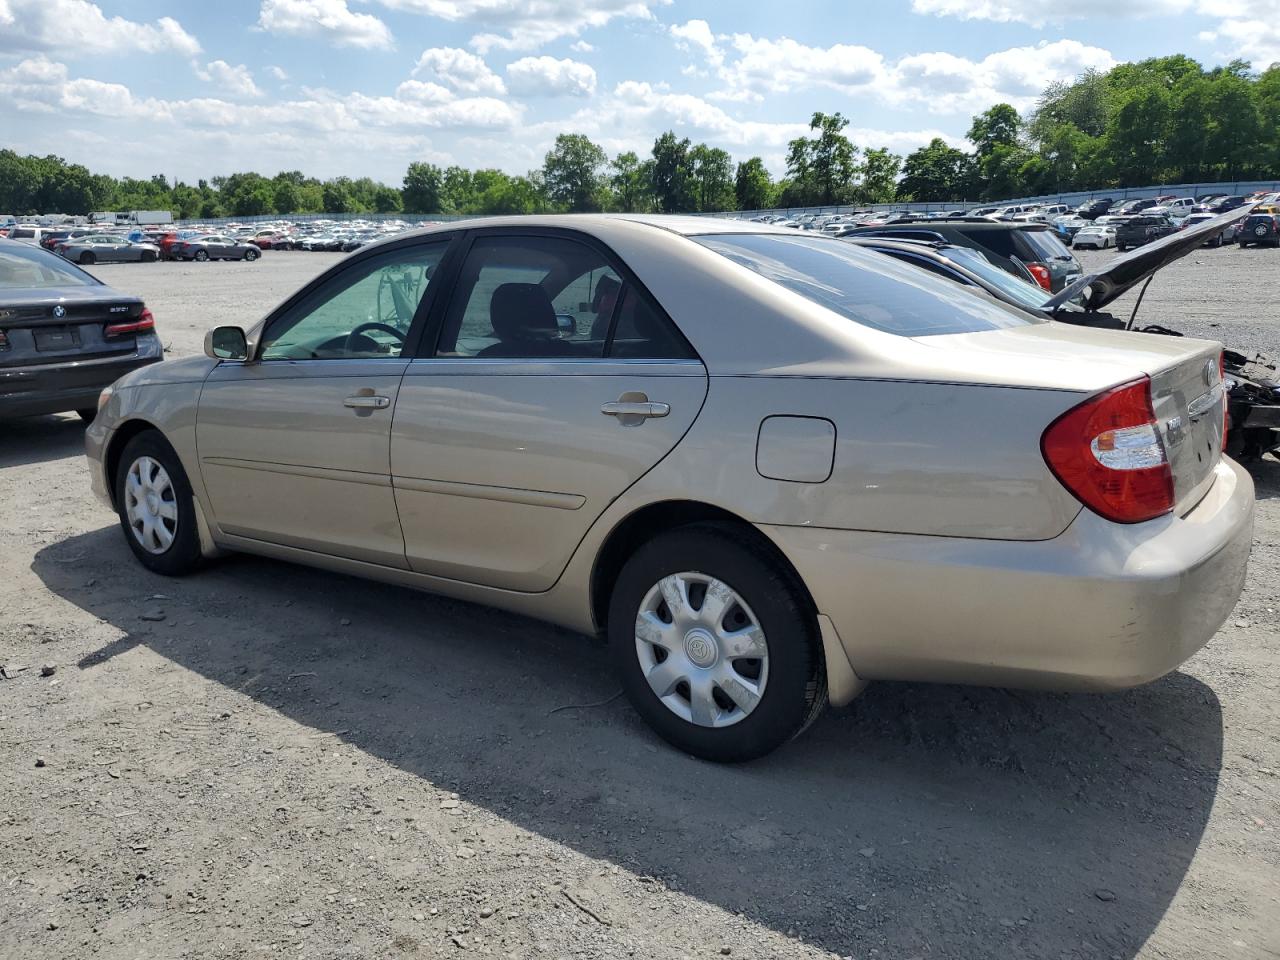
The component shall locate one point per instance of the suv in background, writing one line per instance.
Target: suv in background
(1260, 228)
(1094, 208)
(1136, 231)
(1026, 250)
(1142, 229)
(1223, 204)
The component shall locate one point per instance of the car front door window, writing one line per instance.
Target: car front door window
(366, 313)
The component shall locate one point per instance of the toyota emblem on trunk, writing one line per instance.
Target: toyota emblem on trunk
(1210, 372)
(59, 311)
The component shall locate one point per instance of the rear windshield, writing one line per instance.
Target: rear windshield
(1046, 245)
(32, 268)
(865, 287)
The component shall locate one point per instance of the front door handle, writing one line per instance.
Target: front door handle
(367, 402)
(635, 408)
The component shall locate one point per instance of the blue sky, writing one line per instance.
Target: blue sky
(363, 87)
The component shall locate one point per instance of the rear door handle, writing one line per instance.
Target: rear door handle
(367, 402)
(644, 409)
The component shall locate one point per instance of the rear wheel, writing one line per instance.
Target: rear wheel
(715, 645)
(87, 259)
(202, 255)
(251, 255)
(149, 257)
(156, 507)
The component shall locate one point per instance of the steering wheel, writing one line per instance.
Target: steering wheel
(349, 347)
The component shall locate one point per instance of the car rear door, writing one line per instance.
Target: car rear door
(294, 446)
(554, 383)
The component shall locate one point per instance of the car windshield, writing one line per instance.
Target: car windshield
(869, 289)
(39, 270)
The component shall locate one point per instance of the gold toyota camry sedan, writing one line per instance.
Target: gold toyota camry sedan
(767, 466)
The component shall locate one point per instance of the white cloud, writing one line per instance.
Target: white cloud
(79, 27)
(236, 81)
(1248, 29)
(581, 46)
(459, 70)
(330, 19)
(549, 77)
(528, 24)
(278, 72)
(752, 67)
(1037, 15)
(696, 35)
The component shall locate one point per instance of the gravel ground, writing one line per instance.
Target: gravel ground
(266, 760)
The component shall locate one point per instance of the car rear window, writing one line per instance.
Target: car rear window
(33, 268)
(863, 286)
(1045, 245)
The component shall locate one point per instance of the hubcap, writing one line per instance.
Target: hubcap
(701, 649)
(150, 505)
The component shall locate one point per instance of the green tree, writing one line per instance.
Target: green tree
(999, 126)
(336, 196)
(672, 190)
(711, 177)
(880, 170)
(937, 172)
(823, 168)
(423, 190)
(630, 181)
(752, 185)
(573, 173)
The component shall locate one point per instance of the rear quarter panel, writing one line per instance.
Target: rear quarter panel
(941, 459)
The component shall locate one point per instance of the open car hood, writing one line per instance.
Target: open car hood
(1132, 268)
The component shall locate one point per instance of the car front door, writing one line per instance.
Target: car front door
(294, 445)
(554, 384)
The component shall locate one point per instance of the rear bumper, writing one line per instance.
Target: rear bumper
(1103, 606)
(73, 385)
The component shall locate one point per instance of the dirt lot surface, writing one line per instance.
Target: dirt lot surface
(266, 760)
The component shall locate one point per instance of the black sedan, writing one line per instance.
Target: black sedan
(214, 246)
(64, 335)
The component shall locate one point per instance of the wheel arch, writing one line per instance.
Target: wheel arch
(643, 524)
(120, 438)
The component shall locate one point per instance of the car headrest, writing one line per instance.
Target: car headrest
(522, 311)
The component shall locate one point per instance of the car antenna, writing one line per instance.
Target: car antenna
(1141, 293)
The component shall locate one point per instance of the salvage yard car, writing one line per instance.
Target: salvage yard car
(104, 248)
(213, 247)
(1096, 236)
(1141, 229)
(1262, 229)
(64, 335)
(769, 466)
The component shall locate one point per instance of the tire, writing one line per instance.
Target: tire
(149, 257)
(86, 259)
(202, 255)
(182, 554)
(251, 255)
(790, 678)
(1121, 247)
(88, 414)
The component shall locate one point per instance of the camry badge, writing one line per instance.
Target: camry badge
(59, 311)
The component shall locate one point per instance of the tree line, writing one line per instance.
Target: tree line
(1162, 120)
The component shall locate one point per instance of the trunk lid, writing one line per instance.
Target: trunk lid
(1186, 389)
(45, 327)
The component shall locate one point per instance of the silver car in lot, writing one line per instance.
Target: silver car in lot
(766, 465)
(106, 248)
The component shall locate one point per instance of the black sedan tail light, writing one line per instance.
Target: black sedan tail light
(145, 321)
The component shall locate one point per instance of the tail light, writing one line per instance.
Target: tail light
(145, 321)
(1041, 273)
(1107, 451)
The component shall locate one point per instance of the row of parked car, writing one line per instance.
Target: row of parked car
(1094, 224)
(88, 245)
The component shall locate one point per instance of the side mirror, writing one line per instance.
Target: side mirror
(226, 343)
(566, 324)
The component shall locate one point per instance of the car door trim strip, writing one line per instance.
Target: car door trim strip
(483, 491)
(296, 470)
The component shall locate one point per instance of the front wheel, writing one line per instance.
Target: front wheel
(156, 506)
(715, 645)
(251, 255)
(87, 259)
